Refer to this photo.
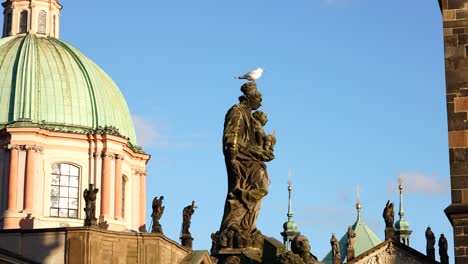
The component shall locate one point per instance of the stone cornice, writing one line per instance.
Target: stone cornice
(107, 155)
(140, 172)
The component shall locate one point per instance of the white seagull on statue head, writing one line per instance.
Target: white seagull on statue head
(251, 76)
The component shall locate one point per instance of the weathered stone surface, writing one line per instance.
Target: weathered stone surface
(91, 245)
(455, 23)
(455, 4)
(271, 249)
(460, 30)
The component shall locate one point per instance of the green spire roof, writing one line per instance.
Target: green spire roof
(289, 227)
(402, 226)
(365, 240)
(402, 223)
(47, 82)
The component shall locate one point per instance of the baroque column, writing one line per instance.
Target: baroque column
(105, 183)
(13, 178)
(118, 187)
(142, 223)
(29, 178)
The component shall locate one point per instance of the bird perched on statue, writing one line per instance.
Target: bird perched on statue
(251, 76)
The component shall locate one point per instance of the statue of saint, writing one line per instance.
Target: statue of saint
(156, 215)
(443, 249)
(187, 216)
(336, 255)
(351, 238)
(90, 196)
(388, 214)
(430, 243)
(245, 155)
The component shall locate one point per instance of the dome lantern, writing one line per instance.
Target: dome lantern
(31, 16)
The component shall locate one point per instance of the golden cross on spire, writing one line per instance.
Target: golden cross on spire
(358, 192)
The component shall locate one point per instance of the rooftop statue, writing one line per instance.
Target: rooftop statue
(336, 255)
(443, 248)
(185, 236)
(430, 243)
(187, 216)
(246, 148)
(156, 215)
(389, 215)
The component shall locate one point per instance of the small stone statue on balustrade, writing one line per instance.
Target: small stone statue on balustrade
(158, 211)
(443, 248)
(89, 196)
(336, 255)
(430, 243)
(351, 241)
(389, 218)
(185, 237)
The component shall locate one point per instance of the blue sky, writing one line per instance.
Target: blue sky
(354, 88)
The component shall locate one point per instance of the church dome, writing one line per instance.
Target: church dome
(46, 82)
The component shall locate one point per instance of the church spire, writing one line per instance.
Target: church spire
(290, 227)
(358, 203)
(402, 227)
(31, 17)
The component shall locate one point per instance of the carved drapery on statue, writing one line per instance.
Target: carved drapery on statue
(246, 148)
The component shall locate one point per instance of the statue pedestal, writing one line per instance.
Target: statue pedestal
(157, 229)
(389, 233)
(186, 240)
(267, 254)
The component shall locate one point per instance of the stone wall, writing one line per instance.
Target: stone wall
(89, 245)
(455, 26)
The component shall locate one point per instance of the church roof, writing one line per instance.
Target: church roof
(48, 83)
(365, 240)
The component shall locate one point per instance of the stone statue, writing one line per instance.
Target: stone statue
(443, 250)
(90, 196)
(351, 242)
(300, 246)
(246, 148)
(351, 238)
(389, 215)
(187, 216)
(336, 255)
(430, 243)
(185, 236)
(157, 213)
(266, 141)
(288, 258)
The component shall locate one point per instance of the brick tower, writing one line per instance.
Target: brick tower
(455, 24)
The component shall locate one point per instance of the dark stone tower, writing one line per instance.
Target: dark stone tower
(455, 24)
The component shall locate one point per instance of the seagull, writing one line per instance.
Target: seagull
(251, 76)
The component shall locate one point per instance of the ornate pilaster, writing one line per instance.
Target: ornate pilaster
(118, 187)
(29, 180)
(13, 178)
(106, 183)
(142, 175)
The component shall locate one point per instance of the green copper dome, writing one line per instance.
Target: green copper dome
(365, 240)
(46, 82)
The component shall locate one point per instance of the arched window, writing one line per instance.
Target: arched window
(8, 24)
(23, 22)
(124, 186)
(41, 22)
(64, 190)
